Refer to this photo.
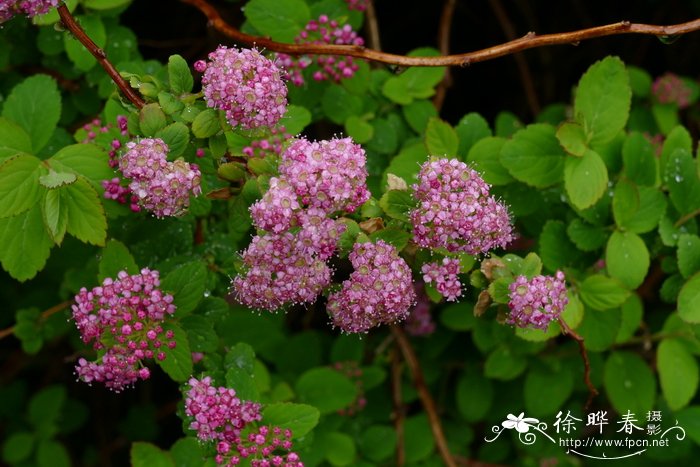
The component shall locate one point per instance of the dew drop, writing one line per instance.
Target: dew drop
(669, 38)
(628, 383)
(678, 178)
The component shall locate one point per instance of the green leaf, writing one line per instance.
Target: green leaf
(688, 254)
(176, 136)
(178, 361)
(397, 237)
(115, 258)
(471, 129)
(418, 439)
(35, 105)
(418, 113)
(440, 138)
(681, 178)
(104, 4)
(397, 90)
(377, 442)
(242, 382)
(406, 163)
(640, 81)
(639, 160)
(51, 453)
(187, 283)
(144, 454)
(474, 394)
(339, 104)
(585, 236)
(627, 258)
(603, 99)
(625, 201)
(689, 300)
(24, 255)
(534, 156)
(602, 293)
(502, 364)
(77, 53)
(572, 138)
(325, 389)
(631, 313)
(397, 204)
(678, 373)
(585, 179)
(678, 138)
(17, 447)
(555, 248)
(296, 119)
(46, 405)
(152, 119)
(56, 179)
(358, 129)
(485, 156)
(689, 419)
(200, 333)
(187, 452)
(339, 448)
(206, 124)
(86, 215)
(414, 83)
(599, 329)
(179, 75)
(19, 184)
(629, 383)
(299, 418)
(55, 215)
(87, 160)
(13, 139)
(281, 20)
(384, 137)
(652, 206)
(546, 389)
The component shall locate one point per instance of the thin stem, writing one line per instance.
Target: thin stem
(686, 218)
(44, 315)
(426, 399)
(529, 41)
(444, 31)
(399, 414)
(372, 26)
(77, 31)
(592, 391)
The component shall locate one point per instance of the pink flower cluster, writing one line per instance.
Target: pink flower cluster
(218, 415)
(669, 88)
(444, 277)
(536, 302)
(455, 210)
(420, 321)
(123, 320)
(160, 186)
(329, 175)
(379, 291)
(246, 85)
(269, 145)
(322, 31)
(31, 8)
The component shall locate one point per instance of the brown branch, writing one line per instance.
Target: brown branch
(398, 407)
(529, 41)
(78, 32)
(372, 26)
(523, 68)
(444, 43)
(592, 391)
(426, 399)
(44, 315)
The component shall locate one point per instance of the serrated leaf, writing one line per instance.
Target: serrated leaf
(299, 418)
(555, 248)
(440, 138)
(200, 334)
(358, 129)
(179, 75)
(338, 104)
(22, 256)
(546, 389)
(418, 113)
(296, 119)
(144, 454)
(325, 389)
(395, 237)
(485, 155)
(178, 361)
(603, 100)
(503, 364)
(652, 206)
(55, 215)
(56, 179)
(13, 139)
(86, 215)
(471, 129)
(678, 373)
(602, 293)
(152, 119)
(114, 258)
(681, 178)
(585, 179)
(87, 160)
(572, 138)
(397, 204)
(176, 136)
(689, 300)
(625, 201)
(688, 254)
(585, 236)
(534, 156)
(35, 105)
(629, 382)
(627, 258)
(206, 124)
(19, 184)
(640, 164)
(187, 283)
(281, 20)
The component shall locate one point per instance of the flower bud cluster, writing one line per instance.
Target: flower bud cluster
(288, 263)
(456, 211)
(669, 88)
(379, 291)
(160, 186)
(219, 415)
(268, 145)
(123, 320)
(444, 277)
(538, 301)
(246, 85)
(31, 8)
(329, 67)
(359, 5)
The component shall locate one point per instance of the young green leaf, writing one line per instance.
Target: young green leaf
(627, 258)
(572, 138)
(152, 119)
(88, 160)
(585, 179)
(629, 382)
(13, 140)
(19, 184)
(179, 75)
(55, 215)
(485, 157)
(187, 283)
(86, 215)
(602, 293)
(471, 129)
(440, 138)
(22, 256)
(678, 373)
(299, 418)
(176, 136)
(534, 156)
(115, 257)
